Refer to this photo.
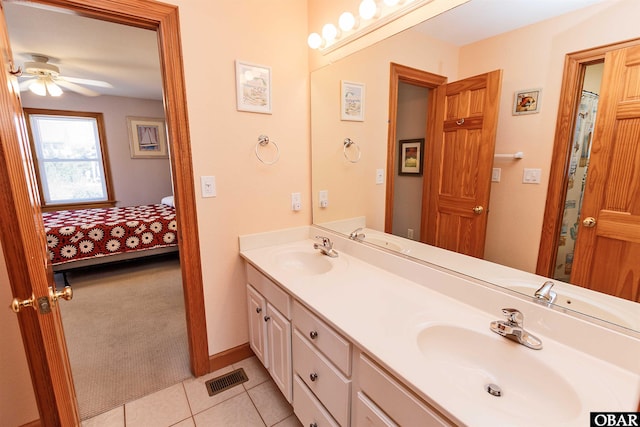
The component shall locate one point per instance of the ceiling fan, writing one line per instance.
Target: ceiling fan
(45, 78)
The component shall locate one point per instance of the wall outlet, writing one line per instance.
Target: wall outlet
(379, 176)
(531, 176)
(296, 201)
(323, 198)
(208, 185)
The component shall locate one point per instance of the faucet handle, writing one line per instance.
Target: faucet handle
(514, 316)
(325, 241)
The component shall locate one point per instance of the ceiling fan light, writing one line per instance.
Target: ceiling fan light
(52, 88)
(38, 87)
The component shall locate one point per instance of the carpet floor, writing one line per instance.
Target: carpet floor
(126, 332)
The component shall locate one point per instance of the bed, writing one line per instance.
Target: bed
(83, 237)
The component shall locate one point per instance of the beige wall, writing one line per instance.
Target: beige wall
(533, 57)
(135, 181)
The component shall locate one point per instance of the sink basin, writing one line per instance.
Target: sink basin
(464, 362)
(303, 262)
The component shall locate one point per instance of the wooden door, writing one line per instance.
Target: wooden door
(607, 253)
(461, 153)
(24, 246)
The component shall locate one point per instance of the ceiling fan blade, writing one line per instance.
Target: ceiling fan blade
(24, 85)
(89, 82)
(76, 88)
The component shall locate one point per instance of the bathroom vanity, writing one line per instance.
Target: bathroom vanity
(374, 338)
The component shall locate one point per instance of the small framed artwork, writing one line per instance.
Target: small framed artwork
(527, 101)
(352, 101)
(253, 88)
(147, 138)
(411, 153)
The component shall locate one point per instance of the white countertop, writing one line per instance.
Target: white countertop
(382, 313)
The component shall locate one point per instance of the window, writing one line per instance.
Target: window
(70, 154)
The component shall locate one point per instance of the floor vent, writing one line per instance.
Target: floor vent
(226, 381)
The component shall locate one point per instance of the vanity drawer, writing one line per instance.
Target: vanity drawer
(307, 408)
(272, 292)
(369, 415)
(330, 387)
(323, 337)
(394, 399)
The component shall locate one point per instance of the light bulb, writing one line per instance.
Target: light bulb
(347, 21)
(368, 9)
(329, 32)
(52, 88)
(38, 88)
(314, 41)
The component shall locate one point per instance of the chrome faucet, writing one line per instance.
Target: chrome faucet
(326, 247)
(357, 235)
(513, 329)
(544, 294)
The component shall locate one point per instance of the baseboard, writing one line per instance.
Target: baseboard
(35, 423)
(229, 357)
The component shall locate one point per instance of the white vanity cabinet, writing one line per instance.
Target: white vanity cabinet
(381, 400)
(322, 371)
(269, 310)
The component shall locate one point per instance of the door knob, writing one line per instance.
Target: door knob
(478, 210)
(589, 222)
(54, 294)
(17, 304)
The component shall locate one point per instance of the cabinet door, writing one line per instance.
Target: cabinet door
(279, 349)
(257, 325)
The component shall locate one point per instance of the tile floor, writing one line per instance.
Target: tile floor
(257, 402)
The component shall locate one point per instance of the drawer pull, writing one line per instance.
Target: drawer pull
(313, 425)
(258, 309)
(313, 376)
(267, 318)
(313, 334)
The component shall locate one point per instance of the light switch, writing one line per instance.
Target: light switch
(323, 198)
(208, 184)
(495, 174)
(531, 176)
(379, 176)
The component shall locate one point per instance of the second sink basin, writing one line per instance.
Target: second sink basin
(467, 363)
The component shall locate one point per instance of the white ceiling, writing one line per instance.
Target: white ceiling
(127, 57)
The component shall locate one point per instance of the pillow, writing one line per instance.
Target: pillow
(168, 201)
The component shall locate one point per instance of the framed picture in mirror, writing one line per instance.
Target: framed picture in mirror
(352, 101)
(527, 101)
(410, 157)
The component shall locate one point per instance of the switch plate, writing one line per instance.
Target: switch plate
(379, 176)
(208, 184)
(323, 198)
(495, 174)
(531, 176)
(296, 201)
(410, 233)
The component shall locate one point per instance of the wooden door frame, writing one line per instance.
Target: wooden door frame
(401, 73)
(163, 19)
(573, 75)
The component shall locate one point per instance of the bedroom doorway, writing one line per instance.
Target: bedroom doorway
(55, 394)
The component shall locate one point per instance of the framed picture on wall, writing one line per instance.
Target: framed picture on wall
(352, 101)
(527, 101)
(253, 88)
(411, 157)
(147, 138)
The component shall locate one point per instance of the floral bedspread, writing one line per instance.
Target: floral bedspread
(85, 233)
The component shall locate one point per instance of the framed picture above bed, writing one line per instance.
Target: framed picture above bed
(147, 138)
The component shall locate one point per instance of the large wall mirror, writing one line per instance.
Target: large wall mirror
(353, 177)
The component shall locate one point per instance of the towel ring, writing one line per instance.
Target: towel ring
(347, 143)
(263, 141)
